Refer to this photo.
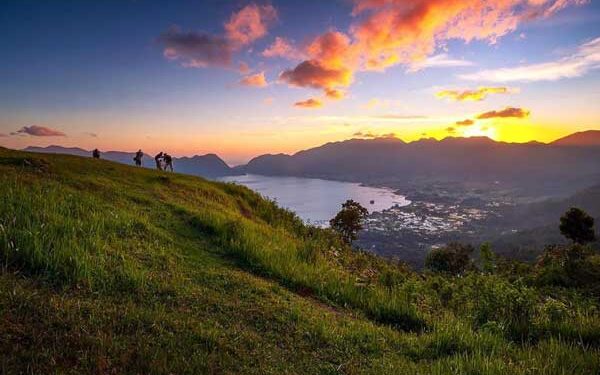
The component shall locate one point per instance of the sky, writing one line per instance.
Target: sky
(244, 78)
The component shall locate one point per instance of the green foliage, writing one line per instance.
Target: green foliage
(487, 258)
(577, 226)
(349, 221)
(453, 259)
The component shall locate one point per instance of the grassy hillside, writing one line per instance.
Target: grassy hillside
(110, 269)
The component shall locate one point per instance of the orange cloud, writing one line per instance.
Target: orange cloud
(249, 24)
(397, 31)
(254, 80)
(311, 73)
(506, 112)
(282, 47)
(309, 103)
(467, 122)
(391, 32)
(451, 130)
(335, 94)
(471, 95)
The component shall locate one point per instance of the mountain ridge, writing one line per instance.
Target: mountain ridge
(208, 165)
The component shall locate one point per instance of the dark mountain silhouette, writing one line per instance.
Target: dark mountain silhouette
(209, 165)
(452, 159)
(586, 138)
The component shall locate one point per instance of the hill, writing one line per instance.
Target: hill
(586, 139)
(209, 165)
(106, 268)
(476, 159)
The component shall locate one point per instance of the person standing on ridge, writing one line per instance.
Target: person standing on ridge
(158, 158)
(96, 154)
(138, 157)
(168, 162)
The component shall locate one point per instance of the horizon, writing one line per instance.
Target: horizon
(250, 78)
(306, 149)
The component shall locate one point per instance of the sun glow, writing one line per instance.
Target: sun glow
(480, 131)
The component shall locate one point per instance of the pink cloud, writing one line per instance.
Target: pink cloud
(39, 131)
(283, 48)
(249, 24)
(200, 50)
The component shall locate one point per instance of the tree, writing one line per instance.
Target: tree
(487, 258)
(349, 221)
(454, 258)
(577, 226)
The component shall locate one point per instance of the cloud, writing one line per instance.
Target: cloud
(467, 122)
(335, 94)
(244, 68)
(3, 135)
(39, 131)
(392, 32)
(471, 95)
(439, 61)
(93, 135)
(249, 24)
(254, 80)
(200, 49)
(585, 59)
(283, 48)
(451, 130)
(196, 49)
(504, 113)
(373, 135)
(309, 103)
(312, 73)
(268, 100)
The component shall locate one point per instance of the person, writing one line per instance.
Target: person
(138, 157)
(168, 162)
(96, 154)
(158, 158)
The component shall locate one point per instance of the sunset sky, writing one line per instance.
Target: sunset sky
(241, 78)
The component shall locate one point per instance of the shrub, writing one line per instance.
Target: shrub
(452, 259)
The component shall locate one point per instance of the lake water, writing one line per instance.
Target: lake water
(315, 200)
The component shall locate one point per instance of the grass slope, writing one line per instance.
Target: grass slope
(109, 269)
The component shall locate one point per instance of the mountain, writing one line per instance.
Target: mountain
(209, 165)
(110, 269)
(453, 159)
(585, 139)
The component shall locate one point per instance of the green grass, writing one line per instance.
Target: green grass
(108, 269)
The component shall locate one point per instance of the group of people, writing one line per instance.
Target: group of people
(163, 160)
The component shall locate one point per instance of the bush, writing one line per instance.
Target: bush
(452, 259)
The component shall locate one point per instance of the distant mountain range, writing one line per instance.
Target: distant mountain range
(572, 160)
(209, 165)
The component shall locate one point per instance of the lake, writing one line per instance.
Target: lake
(314, 200)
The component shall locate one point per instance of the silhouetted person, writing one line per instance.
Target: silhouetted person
(138, 158)
(96, 154)
(168, 162)
(158, 158)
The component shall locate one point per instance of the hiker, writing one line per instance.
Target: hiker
(96, 154)
(158, 158)
(138, 157)
(168, 162)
